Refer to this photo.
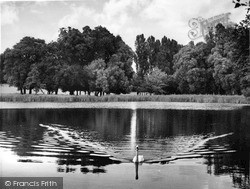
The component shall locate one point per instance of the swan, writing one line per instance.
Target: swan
(138, 158)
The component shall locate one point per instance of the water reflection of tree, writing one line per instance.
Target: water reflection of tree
(85, 162)
(24, 123)
(236, 165)
(167, 123)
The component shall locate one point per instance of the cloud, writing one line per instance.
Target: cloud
(171, 17)
(120, 17)
(9, 13)
(78, 15)
(34, 11)
(120, 12)
(116, 15)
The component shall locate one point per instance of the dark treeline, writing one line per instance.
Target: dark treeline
(217, 66)
(94, 60)
(90, 60)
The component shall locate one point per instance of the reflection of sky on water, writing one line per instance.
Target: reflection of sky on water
(133, 130)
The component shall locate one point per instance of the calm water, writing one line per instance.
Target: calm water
(76, 143)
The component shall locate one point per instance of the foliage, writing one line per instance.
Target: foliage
(19, 60)
(239, 3)
(2, 69)
(218, 66)
(151, 53)
(71, 63)
(154, 81)
(141, 58)
(94, 60)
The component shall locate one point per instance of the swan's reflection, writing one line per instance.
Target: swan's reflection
(133, 143)
(136, 170)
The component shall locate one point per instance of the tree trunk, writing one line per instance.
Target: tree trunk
(21, 91)
(56, 91)
(24, 91)
(30, 91)
(71, 92)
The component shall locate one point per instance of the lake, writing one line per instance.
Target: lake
(91, 145)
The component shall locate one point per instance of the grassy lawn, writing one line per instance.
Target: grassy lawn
(10, 94)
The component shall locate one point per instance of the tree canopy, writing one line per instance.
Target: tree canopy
(94, 60)
(67, 63)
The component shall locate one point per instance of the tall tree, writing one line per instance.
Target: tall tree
(72, 45)
(153, 49)
(192, 72)
(141, 57)
(241, 56)
(50, 66)
(2, 68)
(18, 61)
(165, 55)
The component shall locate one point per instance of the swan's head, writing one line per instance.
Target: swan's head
(137, 148)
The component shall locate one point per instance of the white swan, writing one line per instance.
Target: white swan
(138, 158)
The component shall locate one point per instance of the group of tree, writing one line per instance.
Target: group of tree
(217, 66)
(91, 61)
(94, 60)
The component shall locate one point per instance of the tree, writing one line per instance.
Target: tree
(117, 81)
(72, 78)
(50, 66)
(239, 3)
(170, 85)
(124, 56)
(229, 57)
(183, 62)
(155, 81)
(141, 57)
(192, 71)
(105, 43)
(2, 68)
(241, 56)
(34, 80)
(153, 50)
(138, 84)
(165, 55)
(19, 60)
(72, 46)
(93, 70)
(101, 83)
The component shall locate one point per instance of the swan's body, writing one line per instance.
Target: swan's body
(138, 158)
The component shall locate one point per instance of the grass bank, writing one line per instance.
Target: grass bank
(236, 99)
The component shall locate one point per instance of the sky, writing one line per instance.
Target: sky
(127, 18)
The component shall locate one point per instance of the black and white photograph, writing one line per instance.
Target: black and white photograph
(125, 94)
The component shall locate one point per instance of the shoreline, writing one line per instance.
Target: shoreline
(227, 99)
(122, 105)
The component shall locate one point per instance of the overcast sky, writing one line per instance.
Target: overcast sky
(128, 18)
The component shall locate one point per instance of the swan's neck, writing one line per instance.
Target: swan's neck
(136, 155)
